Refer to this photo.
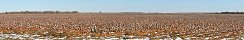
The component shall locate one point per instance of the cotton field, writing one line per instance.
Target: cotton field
(122, 26)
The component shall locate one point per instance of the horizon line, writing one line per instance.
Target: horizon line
(126, 11)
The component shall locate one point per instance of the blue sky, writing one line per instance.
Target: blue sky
(123, 5)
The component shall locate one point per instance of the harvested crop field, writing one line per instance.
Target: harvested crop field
(122, 26)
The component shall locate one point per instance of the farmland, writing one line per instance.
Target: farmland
(124, 26)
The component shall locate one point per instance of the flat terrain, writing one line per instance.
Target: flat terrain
(212, 26)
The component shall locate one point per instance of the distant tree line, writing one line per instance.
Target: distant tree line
(226, 13)
(231, 13)
(43, 12)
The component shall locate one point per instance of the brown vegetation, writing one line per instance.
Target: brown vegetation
(72, 25)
